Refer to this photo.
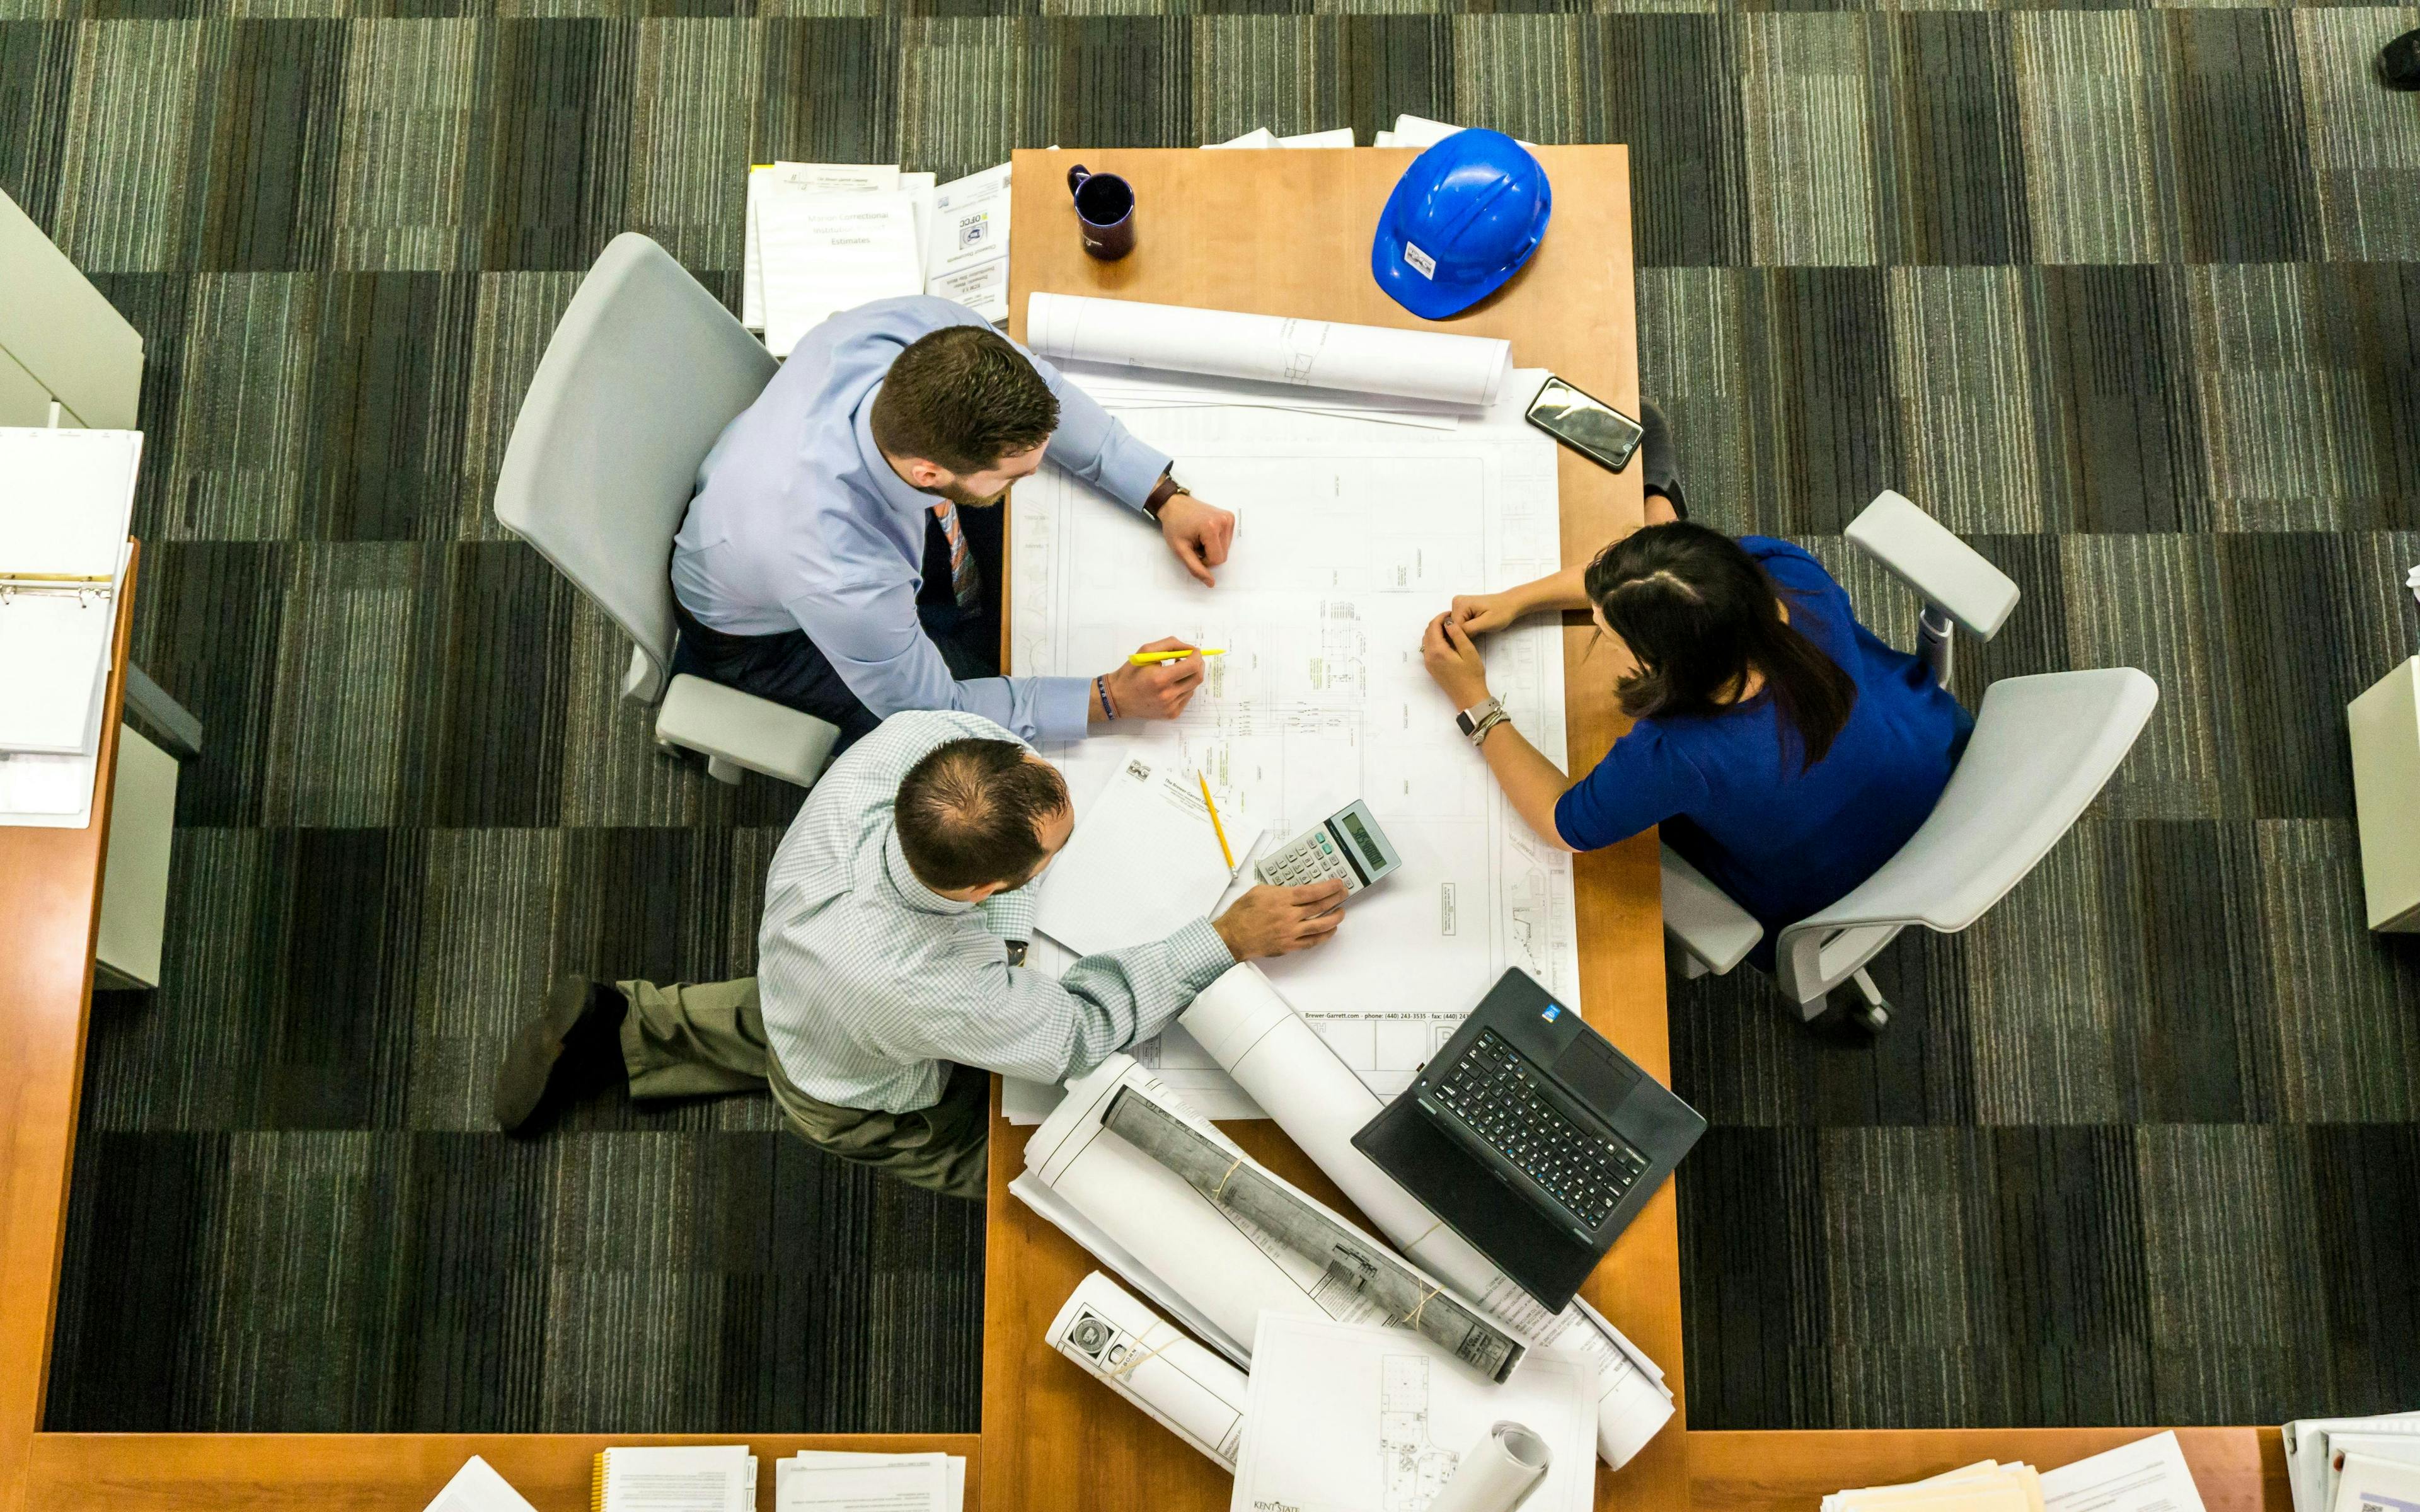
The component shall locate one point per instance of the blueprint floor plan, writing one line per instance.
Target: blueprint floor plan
(1351, 533)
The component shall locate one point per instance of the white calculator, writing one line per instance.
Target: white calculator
(1347, 844)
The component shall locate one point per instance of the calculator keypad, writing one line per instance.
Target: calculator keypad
(1311, 858)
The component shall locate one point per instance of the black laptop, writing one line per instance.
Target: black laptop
(1531, 1136)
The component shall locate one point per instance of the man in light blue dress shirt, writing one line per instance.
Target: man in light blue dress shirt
(841, 555)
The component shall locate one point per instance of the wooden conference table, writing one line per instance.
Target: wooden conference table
(1284, 232)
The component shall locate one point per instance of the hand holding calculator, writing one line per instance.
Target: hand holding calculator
(1347, 846)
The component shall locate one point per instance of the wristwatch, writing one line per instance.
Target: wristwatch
(1017, 949)
(1166, 489)
(1479, 718)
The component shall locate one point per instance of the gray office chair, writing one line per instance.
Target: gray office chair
(641, 375)
(2043, 749)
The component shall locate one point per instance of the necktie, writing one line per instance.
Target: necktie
(966, 574)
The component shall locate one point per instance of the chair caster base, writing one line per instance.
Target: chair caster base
(1871, 1018)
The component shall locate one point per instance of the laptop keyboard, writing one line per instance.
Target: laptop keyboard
(1494, 1090)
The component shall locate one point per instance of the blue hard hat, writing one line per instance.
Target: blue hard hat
(1464, 217)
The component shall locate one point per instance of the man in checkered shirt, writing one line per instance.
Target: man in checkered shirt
(891, 970)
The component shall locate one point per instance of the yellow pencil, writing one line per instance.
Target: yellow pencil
(1215, 826)
(1148, 659)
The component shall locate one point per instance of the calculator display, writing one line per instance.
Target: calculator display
(1371, 857)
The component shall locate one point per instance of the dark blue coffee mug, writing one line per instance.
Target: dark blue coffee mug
(1105, 212)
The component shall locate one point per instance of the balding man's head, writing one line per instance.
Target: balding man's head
(979, 813)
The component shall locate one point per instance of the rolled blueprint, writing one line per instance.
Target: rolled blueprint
(1225, 1266)
(1269, 349)
(1498, 1473)
(1279, 1060)
(1147, 1360)
(1240, 1186)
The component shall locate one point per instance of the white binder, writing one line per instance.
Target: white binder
(67, 498)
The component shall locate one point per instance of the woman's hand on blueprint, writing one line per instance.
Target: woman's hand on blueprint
(1199, 533)
(1454, 662)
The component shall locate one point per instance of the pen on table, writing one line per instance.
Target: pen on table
(1148, 659)
(1217, 829)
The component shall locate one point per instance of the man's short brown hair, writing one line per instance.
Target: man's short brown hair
(962, 397)
(971, 813)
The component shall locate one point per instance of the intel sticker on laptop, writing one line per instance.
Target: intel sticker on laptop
(1554, 1012)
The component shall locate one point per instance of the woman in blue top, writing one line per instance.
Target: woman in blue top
(1786, 751)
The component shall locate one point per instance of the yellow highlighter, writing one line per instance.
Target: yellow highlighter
(1153, 658)
(1219, 829)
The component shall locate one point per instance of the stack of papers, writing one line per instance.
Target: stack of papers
(676, 1479)
(815, 1480)
(66, 500)
(827, 237)
(2147, 1476)
(2358, 1464)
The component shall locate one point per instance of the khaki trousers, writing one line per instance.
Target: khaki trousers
(704, 1039)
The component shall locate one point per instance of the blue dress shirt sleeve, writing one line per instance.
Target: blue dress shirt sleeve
(870, 631)
(1091, 444)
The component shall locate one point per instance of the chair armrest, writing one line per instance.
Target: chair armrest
(1927, 556)
(744, 729)
(1703, 919)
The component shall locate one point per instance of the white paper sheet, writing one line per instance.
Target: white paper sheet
(53, 653)
(66, 497)
(2369, 1447)
(1144, 861)
(769, 178)
(1340, 137)
(48, 792)
(2147, 1476)
(1420, 131)
(953, 1468)
(1242, 1023)
(1352, 1419)
(1350, 537)
(863, 1483)
(1266, 349)
(1258, 137)
(477, 1488)
(966, 255)
(1115, 1337)
(827, 253)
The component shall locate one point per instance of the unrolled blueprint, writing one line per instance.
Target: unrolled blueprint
(1351, 536)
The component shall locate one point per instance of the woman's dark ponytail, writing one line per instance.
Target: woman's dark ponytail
(1701, 614)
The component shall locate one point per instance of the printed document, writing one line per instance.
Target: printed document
(965, 257)
(766, 179)
(2147, 1476)
(1351, 536)
(1145, 861)
(866, 1483)
(1345, 1418)
(828, 252)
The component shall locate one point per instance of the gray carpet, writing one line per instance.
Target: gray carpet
(2131, 295)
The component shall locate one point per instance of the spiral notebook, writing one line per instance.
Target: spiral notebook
(678, 1478)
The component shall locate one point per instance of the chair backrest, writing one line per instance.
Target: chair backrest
(645, 371)
(2043, 749)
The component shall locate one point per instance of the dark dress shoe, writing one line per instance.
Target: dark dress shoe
(574, 1043)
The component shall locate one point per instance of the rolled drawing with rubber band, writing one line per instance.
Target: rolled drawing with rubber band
(1114, 1337)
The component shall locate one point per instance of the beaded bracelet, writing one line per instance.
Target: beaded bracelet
(1101, 687)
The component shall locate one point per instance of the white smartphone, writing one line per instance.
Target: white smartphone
(1586, 423)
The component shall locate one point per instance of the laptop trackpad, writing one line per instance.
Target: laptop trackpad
(1600, 1078)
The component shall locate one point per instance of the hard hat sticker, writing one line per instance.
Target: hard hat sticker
(1421, 263)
